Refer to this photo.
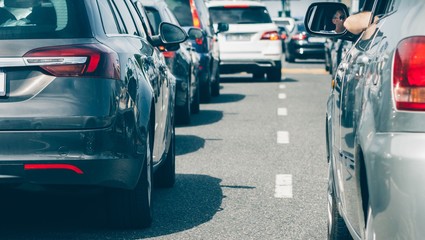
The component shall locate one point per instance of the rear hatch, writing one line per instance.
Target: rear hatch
(251, 30)
(34, 91)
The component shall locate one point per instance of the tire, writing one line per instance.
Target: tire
(275, 74)
(206, 92)
(133, 208)
(184, 113)
(215, 88)
(165, 176)
(258, 75)
(337, 229)
(195, 103)
(289, 58)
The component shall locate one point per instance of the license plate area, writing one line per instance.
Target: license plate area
(2, 84)
(239, 37)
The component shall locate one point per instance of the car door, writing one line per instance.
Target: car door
(358, 74)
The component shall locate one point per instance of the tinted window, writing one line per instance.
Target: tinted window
(49, 19)
(154, 18)
(181, 10)
(126, 17)
(108, 18)
(247, 15)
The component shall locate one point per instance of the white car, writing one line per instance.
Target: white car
(252, 43)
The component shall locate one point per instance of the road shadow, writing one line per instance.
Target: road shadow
(204, 117)
(194, 200)
(289, 80)
(242, 79)
(188, 143)
(227, 98)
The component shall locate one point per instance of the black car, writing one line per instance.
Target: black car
(183, 63)
(301, 45)
(85, 102)
(194, 13)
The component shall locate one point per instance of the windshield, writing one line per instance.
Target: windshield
(243, 15)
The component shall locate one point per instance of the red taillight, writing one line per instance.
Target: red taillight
(273, 35)
(46, 166)
(283, 36)
(169, 54)
(236, 6)
(409, 74)
(87, 60)
(299, 36)
(195, 15)
(199, 41)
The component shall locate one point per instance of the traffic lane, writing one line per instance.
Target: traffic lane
(241, 150)
(225, 182)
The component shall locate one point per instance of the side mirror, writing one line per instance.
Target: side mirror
(171, 34)
(326, 19)
(195, 33)
(222, 27)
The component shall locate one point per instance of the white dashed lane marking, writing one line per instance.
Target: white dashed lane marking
(282, 137)
(282, 112)
(283, 187)
(282, 95)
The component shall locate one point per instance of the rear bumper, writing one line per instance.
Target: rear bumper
(248, 66)
(100, 157)
(395, 164)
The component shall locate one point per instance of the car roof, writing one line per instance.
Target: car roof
(218, 3)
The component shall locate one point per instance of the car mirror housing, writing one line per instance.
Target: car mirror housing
(222, 27)
(195, 33)
(171, 34)
(326, 19)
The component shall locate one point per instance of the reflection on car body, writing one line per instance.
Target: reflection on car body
(85, 101)
(375, 125)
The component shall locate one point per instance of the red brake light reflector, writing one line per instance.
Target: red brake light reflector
(237, 6)
(85, 60)
(46, 166)
(272, 35)
(409, 74)
(299, 36)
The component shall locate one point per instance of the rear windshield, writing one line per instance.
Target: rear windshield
(35, 19)
(243, 15)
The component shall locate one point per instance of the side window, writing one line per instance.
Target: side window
(172, 18)
(147, 26)
(126, 17)
(137, 20)
(118, 19)
(108, 18)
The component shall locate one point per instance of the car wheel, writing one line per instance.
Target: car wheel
(165, 176)
(336, 224)
(289, 58)
(206, 92)
(215, 88)
(258, 75)
(195, 103)
(183, 116)
(275, 74)
(133, 208)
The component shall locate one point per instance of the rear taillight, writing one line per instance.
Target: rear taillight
(273, 35)
(169, 54)
(195, 15)
(237, 6)
(86, 60)
(283, 36)
(409, 74)
(299, 36)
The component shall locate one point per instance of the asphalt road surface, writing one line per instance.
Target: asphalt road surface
(251, 165)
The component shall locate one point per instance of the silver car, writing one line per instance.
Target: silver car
(375, 123)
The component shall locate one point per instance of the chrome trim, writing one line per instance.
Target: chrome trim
(40, 61)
